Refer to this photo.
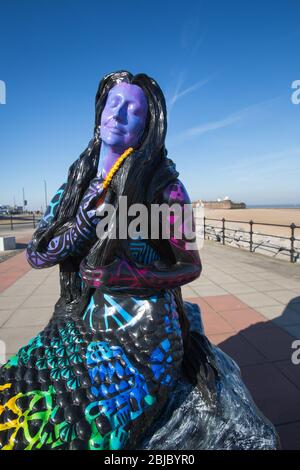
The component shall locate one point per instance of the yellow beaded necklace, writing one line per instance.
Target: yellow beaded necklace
(112, 171)
(115, 167)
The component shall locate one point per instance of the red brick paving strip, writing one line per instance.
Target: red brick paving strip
(13, 269)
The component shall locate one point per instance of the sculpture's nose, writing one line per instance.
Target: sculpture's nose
(120, 113)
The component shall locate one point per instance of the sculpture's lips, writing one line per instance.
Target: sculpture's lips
(116, 130)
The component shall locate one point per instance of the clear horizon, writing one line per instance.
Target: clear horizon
(226, 69)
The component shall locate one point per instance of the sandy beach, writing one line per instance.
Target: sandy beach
(261, 215)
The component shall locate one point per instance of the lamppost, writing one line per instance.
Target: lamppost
(24, 200)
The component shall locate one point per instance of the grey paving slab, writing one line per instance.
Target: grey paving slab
(40, 301)
(289, 284)
(34, 273)
(52, 279)
(52, 283)
(11, 302)
(209, 271)
(187, 292)
(18, 290)
(5, 315)
(253, 269)
(263, 285)
(234, 270)
(272, 311)
(29, 280)
(202, 280)
(270, 275)
(29, 317)
(53, 272)
(45, 272)
(46, 289)
(257, 299)
(284, 296)
(204, 291)
(246, 277)
(238, 288)
(221, 278)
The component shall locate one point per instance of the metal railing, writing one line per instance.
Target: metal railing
(293, 254)
(13, 222)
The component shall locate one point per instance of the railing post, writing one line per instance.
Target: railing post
(223, 227)
(293, 226)
(251, 235)
(11, 222)
(33, 220)
(204, 227)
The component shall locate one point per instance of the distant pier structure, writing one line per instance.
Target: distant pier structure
(225, 203)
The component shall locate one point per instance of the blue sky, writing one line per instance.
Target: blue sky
(226, 68)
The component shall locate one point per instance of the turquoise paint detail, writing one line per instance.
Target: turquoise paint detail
(121, 310)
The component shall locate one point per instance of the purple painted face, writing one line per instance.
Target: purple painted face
(124, 116)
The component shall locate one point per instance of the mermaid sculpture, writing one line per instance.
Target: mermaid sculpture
(123, 362)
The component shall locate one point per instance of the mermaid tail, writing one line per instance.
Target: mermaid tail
(72, 388)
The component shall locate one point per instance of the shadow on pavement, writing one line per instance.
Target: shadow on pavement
(264, 353)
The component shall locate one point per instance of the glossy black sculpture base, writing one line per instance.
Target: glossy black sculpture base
(232, 421)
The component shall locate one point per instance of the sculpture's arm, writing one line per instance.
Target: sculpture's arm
(52, 208)
(186, 267)
(74, 240)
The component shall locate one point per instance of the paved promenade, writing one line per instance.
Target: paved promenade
(250, 306)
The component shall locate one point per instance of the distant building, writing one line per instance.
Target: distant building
(220, 204)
